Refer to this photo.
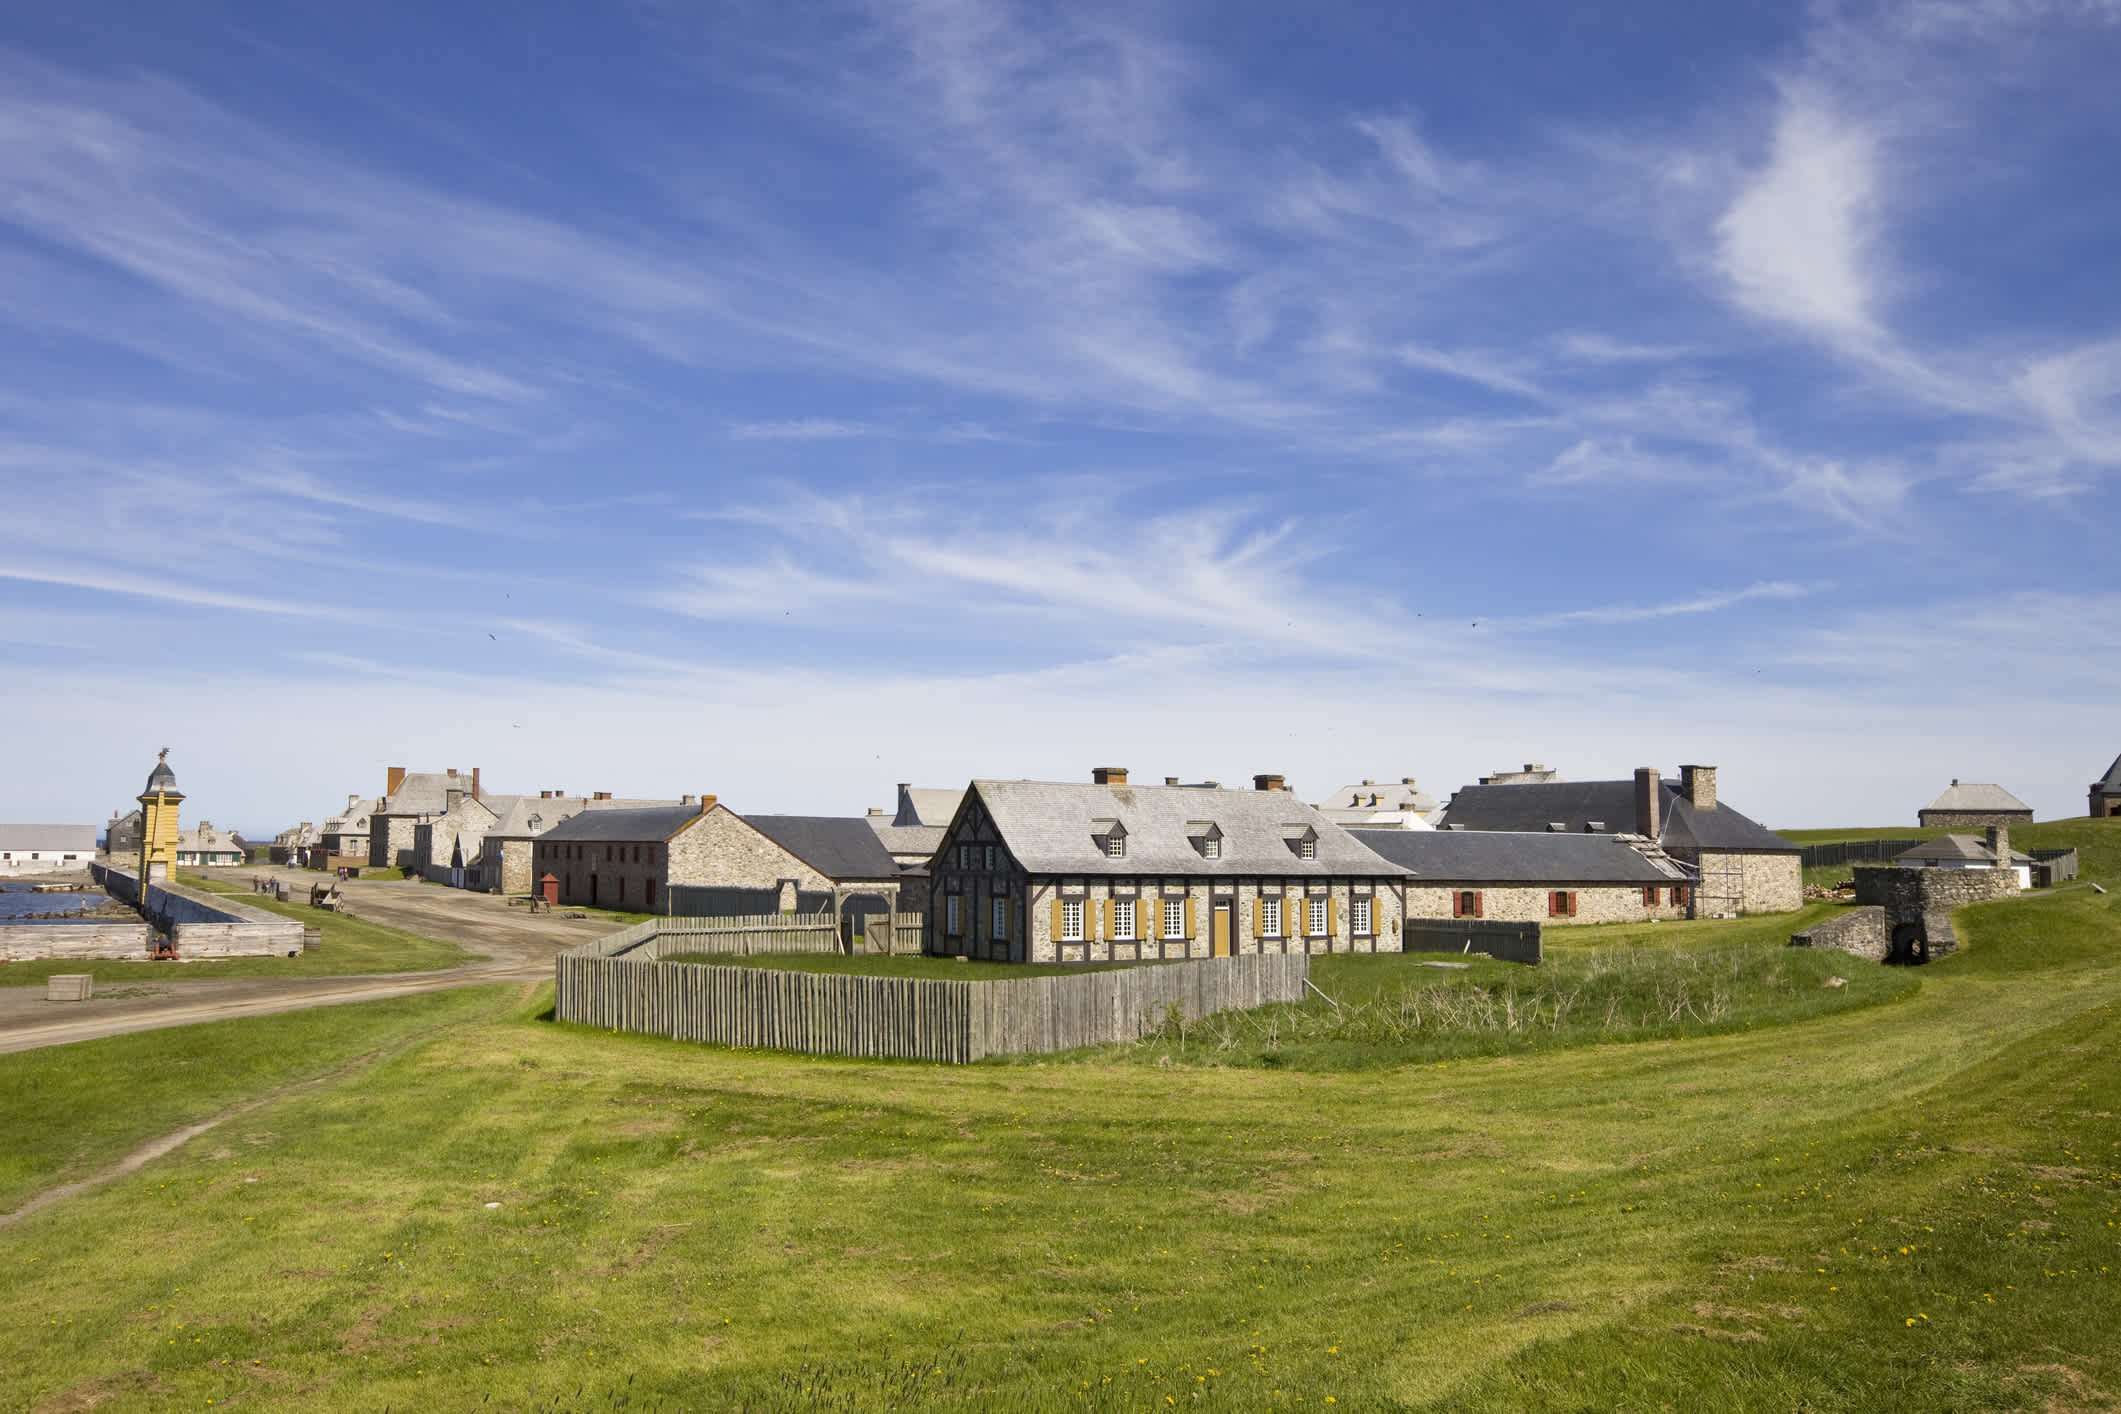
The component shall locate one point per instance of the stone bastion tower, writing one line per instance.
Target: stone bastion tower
(158, 822)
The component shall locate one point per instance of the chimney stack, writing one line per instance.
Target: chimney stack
(706, 804)
(1699, 783)
(1108, 775)
(393, 777)
(1265, 782)
(603, 795)
(474, 783)
(1999, 845)
(1649, 796)
(452, 770)
(452, 798)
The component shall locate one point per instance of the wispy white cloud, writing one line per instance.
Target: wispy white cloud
(805, 429)
(1677, 608)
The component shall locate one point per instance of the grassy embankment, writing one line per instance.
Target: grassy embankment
(1901, 1205)
(2097, 842)
(348, 947)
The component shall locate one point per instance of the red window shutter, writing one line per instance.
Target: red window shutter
(1572, 903)
(1458, 904)
(1479, 905)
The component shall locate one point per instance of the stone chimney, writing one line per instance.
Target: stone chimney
(452, 798)
(352, 801)
(1108, 775)
(876, 812)
(1265, 782)
(1170, 780)
(1999, 845)
(1649, 801)
(1699, 785)
(393, 777)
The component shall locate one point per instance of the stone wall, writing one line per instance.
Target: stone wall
(391, 839)
(202, 924)
(1966, 819)
(1530, 903)
(1863, 932)
(1905, 892)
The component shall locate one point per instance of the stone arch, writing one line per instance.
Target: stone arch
(1910, 946)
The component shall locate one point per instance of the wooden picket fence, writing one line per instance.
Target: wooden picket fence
(903, 934)
(761, 933)
(619, 986)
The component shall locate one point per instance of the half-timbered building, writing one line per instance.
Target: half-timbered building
(1049, 872)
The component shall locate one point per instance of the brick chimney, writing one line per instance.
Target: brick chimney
(452, 770)
(1269, 783)
(474, 783)
(1699, 785)
(393, 777)
(1108, 775)
(1999, 845)
(1649, 798)
(706, 804)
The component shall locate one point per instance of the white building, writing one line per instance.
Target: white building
(46, 849)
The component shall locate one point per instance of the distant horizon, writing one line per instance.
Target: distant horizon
(780, 402)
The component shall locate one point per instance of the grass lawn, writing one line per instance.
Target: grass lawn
(348, 947)
(1896, 1206)
(942, 969)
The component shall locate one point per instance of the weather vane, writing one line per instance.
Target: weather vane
(164, 756)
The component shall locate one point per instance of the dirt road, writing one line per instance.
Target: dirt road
(516, 947)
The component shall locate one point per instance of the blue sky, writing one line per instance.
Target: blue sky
(785, 401)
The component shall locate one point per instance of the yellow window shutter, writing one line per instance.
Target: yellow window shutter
(1111, 918)
(1056, 916)
(1259, 916)
(1189, 915)
(1332, 916)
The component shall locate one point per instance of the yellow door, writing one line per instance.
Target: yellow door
(1222, 930)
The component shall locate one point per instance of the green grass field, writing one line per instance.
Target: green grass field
(1907, 1202)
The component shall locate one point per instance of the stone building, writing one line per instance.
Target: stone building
(343, 838)
(1366, 805)
(1904, 916)
(1970, 852)
(633, 858)
(1738, 865)
(2106, 793)
(1527, 878)
(411, 799)
(46, 849)
(499, 860)
(1035, 871)
(1974, 804)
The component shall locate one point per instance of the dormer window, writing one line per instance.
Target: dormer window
(1207, 837)
(1302, 840)
(1110, 837)
(1307, 849)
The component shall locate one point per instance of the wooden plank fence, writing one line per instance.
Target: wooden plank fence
(763, 933)
(617, 985)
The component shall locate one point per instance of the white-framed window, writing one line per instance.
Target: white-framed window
(1307, 849)
(1270, 917)
(1123, 918)
(1212, 847)
(1001, 918)
(1115, 845)
(952, 915)
(1316, 909)
(1071, 920)
(1174, 918)
(1359, 918)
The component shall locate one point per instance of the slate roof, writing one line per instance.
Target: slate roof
(922, 840)
(2110, 783)
(161, 779)
(1049, 827)
(425, 793)
(1379, 795)
(513, 812)
(634, 826)
(1529, 807)
(1508, 857)
(1971, 849)
(48, 839)
(838, 846)
(922, 805)
(1975, 796)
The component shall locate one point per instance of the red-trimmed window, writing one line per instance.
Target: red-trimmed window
(1561, 903)
(1466, 903)
(1649, 894)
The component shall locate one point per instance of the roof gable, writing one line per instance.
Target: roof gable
(1975, 795)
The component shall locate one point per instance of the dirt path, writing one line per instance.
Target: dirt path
(516, 946)
(156, 1148)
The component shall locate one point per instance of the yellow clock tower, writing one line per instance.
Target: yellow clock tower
(158, 822)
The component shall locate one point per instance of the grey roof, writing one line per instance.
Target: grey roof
(513, 821)
(161, 779)
(635, 826)
(57, 839)
(1048, 827)
(1531, 806)
(1971, 849)
(923, 840)
(1976, 796)
(837, 846)
(424, 793)
(1508, 857)
(2110, 783)
(1380, 795)
(923, 805)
